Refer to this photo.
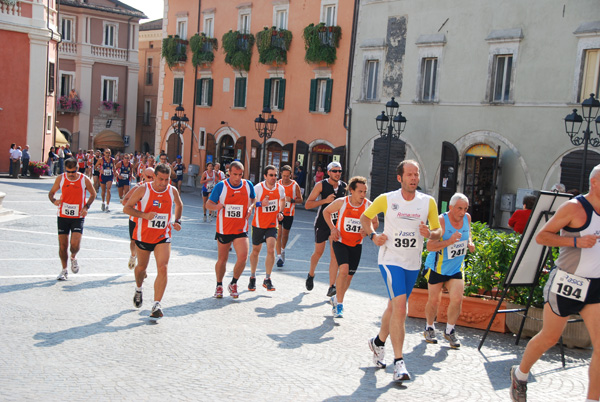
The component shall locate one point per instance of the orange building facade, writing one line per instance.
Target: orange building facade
(28, 45)
(222, 100)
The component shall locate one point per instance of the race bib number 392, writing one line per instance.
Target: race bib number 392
(570, 286)
(405, 240)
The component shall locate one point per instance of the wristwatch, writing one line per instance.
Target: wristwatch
(371, 235)
(178, 221)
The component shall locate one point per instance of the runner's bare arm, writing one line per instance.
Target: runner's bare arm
(178, 209)
(54, 189)
(129, 208)
(568, 214)
(311, 201)
(331, 208)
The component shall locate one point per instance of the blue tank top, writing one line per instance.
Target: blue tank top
(107, 167)
(450, 260)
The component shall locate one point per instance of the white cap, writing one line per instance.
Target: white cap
(333, 165)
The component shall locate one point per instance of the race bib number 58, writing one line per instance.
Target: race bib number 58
(570, 286)
(70, 209)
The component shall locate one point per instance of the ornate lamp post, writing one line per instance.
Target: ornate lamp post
(390, 125)
(573, 121)
(179, 121)
(265, 130)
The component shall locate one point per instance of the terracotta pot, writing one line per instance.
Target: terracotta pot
(475, 313)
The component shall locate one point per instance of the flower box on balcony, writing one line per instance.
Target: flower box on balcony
(238, 49)
(69, 104)
(174, 50)
(202, 49)
(321, 42)
(273, 45)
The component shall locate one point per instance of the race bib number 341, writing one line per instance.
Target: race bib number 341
(570, 286)
(352, 225)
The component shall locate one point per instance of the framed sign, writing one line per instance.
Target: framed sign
(285, 156)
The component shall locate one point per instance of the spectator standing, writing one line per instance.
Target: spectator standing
(25, 160)
(519, 218)
(61, 161)
(10, 158)
(16, 162)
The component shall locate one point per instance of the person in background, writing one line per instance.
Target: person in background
(519, 218)
(320, 175)
(10, 158)
(16, 162)
(25, 160)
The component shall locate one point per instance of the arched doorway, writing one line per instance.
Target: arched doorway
(174, 146)
(570, 169)
(225, 150)
(320, 155)
(481, 163)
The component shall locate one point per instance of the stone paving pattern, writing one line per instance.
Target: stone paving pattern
(83, 339)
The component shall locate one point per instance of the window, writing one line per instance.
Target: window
(110, 35)
(109, 89)
(240, 92)
(147, 110)
(177, 91)
(204, 91)
(329, 15)
(591, 75)
(320, 95)
(281, 18)
(149, 71)
(66, 84)
(182, 28)
(274, 94)
(372, 79)
(51, 77)
(208, 27)
(67, 30)
(428, 78)
(49, 123)
(244, 23)
(502, 73)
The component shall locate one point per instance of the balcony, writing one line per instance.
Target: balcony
(109, 53)
(174, 50)
(273, 45)
(321, 42)
(68, 48)
(69, 105)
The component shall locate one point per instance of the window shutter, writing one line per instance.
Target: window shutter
(267, 93)
(328, 91)
(236, 93)
(243, 98)
(210, 91)
(312, 105)
(177, 91)
(198, 92)
(281, 94)
(51, 77)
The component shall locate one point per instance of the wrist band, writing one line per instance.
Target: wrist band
(575, 242)
(258, 204)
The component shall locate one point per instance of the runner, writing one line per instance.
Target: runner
(293, 196)
(406, 211)
(81, 161)
(220, 174)
(270, 197)
(140, 167)
(72, 209)
(89, 163)
(178, 168)
(232, 200)
(347, 236)
(208, 181)
(573, 285)
(152, 206)
(96, 170)
(321, 196)
(124, 170)
(106, 166)
(445, 264)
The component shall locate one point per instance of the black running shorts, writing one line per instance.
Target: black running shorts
(345, 254)
(68, 225)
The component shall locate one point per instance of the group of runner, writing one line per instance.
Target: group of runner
(410, 217)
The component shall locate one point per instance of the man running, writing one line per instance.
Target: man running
(106, 167)
(232, 200)
(573, 285)
(208, 181)
(445, 264)
(270, 201)
(72, 209)
(293, 196)
(406, 212)
(152, 206)
(323, 194)
(124, 171)
(96, 170)
(347, 237)
(220, 174)
(178, 168)
(81, 161)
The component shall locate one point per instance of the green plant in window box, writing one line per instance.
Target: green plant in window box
(202, 49)
(238, 49)
(273, 45)
(174, 50)
(321, 42)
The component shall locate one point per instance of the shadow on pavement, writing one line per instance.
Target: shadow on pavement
(296, 339)
(26, 286)
(292, 306)
(201, 305)
(96, 284)
(367, 390)
(49, 339)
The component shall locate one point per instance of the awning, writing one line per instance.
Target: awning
(108, 139)
(60, 138)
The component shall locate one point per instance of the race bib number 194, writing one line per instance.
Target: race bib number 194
(570, 286)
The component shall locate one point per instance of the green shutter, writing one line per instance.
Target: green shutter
(312, 105)
(198, 92)
(328, 91)
(281, 94)
(177, 91)
(240, 92)
(236, 93)
(210, 91)
(267, 93)
(243, 91)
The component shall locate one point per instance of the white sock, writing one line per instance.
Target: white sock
(138, 289)
(64, 270)
(521, 376)
(282, 250)
(449, 328)
(432, 326)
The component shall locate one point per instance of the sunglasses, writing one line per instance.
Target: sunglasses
(70, 171)
(335, 171)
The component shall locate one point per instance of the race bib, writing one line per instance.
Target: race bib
(570, 286)
(180, 173)
(457, 249)
(352, 225)
(233, 211)
(288, 205)
(107, 172)
(334, 216)
(270, 207)
(405, 239)
(70, 209)
(125, 175)
(209, 186)
(159, 221)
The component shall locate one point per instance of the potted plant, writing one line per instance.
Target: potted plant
(37, 169)
(238, 49)
(273, 45)
(202, 49)
(321, 42)
(174, 50)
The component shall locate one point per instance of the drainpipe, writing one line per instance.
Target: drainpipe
(348, 113)
(45, 121)
(127, 75)
(194, 102)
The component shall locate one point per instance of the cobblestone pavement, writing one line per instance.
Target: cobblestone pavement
(83, 340)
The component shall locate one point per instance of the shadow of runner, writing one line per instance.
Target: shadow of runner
(293, 306)
(296, 339)
(26, 286)
(97, 284)
(367, 390)
(206, 304)
(56, 338)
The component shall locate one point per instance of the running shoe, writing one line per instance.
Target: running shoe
(156, 311)
(137, 299)
(400, 371)
(107, 210)
(74, 265)
(333, 301)
(331, 291)
(252, 284)
(62, 276)
(267, 284)
(378, 353)
(132, 260)
(518, 388)
(280, 262)
(283, 257)
(429, 335)
(233, 290)
(103, 207)
(210, 217)
(219, 292)
(204, 220)
(453, 339)
(310, 284)
(339, 311)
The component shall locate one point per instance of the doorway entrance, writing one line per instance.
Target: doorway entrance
(226, 151)
(480, 182)
(321, 155)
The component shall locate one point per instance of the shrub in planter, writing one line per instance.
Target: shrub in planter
(174, 50)
(38, 168)
(238, 49)
(202, 49)
(320, 42)
(273, 45)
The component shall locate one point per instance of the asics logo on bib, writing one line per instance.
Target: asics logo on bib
(574, 281)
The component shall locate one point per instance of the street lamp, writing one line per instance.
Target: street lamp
(390, 125)
(573, 121)
(178, 122)
(265, 129)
